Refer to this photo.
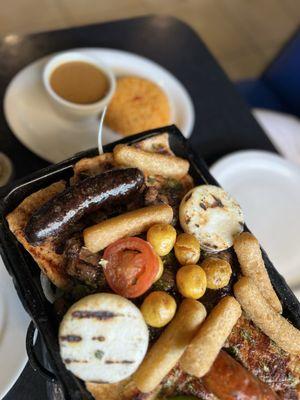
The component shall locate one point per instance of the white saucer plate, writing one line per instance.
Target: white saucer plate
(268, 190)
(13, 326)
(39, 126)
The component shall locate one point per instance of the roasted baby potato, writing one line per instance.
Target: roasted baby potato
(162, 238)
(158, 309)
(191, 281)
(218, 272)
(187, 249)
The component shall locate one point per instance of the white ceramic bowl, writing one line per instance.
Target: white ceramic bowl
(73, 109)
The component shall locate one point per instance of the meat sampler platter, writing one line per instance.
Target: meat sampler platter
(153, 287)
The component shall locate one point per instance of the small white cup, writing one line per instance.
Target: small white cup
(74, 109)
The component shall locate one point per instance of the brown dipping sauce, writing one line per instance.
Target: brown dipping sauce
(79, 82)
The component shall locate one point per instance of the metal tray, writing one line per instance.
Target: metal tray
(25, 273)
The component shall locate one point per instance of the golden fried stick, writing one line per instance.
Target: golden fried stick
(206, 345)
(170, 346)
(151, 163)
(132, 223)
(252, 265)
(284, 334)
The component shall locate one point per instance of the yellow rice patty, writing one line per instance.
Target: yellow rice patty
(138, 105)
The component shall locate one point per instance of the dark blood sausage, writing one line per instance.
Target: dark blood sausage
(228, 380)
(58, 215)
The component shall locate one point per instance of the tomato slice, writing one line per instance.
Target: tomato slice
(132, 266)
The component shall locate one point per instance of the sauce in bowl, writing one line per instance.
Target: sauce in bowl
(79, 82)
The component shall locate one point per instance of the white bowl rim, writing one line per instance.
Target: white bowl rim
(66, 56)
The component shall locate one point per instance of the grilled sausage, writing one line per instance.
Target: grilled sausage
(58, 215)
(228, 380)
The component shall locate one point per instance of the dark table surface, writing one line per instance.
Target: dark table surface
(223, 122)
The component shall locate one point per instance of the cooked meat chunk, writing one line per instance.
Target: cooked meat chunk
(263, 358)
(152, 195)
(179, 383)
(174, 190)
(82, 264)
(169, 191)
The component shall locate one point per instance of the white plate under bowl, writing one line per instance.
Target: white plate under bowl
(268, 190)
(37, 124)
(13, 326)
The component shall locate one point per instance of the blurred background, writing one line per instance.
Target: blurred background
(243, 35)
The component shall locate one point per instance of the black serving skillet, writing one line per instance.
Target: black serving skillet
(26, 274)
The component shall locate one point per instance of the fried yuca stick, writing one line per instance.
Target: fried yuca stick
(132, 223)
(151, 163)
(170, 346)
(206, 345)
(252, 265)
(284, 334)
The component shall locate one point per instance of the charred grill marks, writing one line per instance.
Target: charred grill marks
(99, 338)
(101, 315)
(202, 205)
(188, 197)
(72, 360)
(217, 203)
(71, 338)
